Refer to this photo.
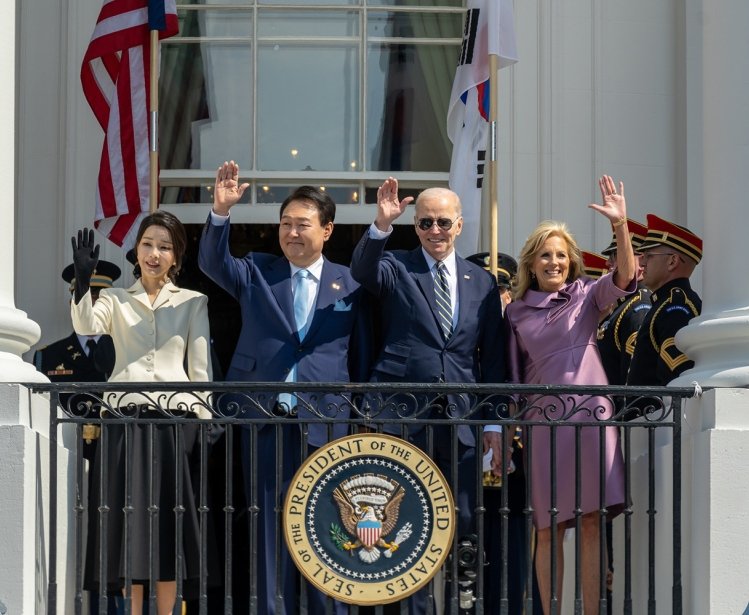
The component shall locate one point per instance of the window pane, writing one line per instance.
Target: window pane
(189, 194)
(205, 104)
(408, 90)
(308, 102)
(273, 193)
(215, 23)
(310, 2)
(420, 3)
(415, 25)
(238, 2)
(308, 23)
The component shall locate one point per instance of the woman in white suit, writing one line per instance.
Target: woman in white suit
(160, 333)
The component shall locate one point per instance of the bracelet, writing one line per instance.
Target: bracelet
(619, 223)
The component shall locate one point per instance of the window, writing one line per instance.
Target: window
(334, 93)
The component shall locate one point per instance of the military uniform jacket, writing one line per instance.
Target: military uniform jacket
(657, 360)
(66, 361)
(617, 334)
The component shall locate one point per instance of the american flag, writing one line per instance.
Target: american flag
(115, 78)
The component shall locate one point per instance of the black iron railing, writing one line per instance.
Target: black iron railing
(232, 508)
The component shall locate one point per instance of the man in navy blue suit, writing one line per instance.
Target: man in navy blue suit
(301, 322)
(441, 322)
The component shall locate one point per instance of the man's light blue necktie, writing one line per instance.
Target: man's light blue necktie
(301, 301)
(301, 292)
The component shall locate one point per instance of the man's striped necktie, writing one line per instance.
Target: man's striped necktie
(442, 296)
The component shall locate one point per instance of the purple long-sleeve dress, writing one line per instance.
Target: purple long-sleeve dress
(552, 340)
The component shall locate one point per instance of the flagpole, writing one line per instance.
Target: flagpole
(492, 174)
(153, 116)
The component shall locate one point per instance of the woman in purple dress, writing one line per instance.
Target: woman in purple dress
(551, 327)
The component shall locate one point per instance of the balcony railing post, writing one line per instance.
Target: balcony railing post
(677, 404)
(54, 400)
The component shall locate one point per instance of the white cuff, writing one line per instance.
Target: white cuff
(493, 428)
(375, 233)
(218, 219)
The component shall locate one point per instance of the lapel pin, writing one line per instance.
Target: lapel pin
(336, 286)
(466, 276)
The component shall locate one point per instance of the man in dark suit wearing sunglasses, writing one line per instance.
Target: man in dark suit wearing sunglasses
(441, 322)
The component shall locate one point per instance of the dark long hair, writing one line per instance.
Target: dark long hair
(176, 232)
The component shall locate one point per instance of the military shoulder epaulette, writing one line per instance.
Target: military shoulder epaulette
(677, 294)
(677, 299)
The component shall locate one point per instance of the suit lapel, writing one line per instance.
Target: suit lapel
(278, 277)
(328, 292)
(76, 343)
(465, 273)
(78, 353)
(163, 298)
(165, 295)
(425, 281)
(139, 294)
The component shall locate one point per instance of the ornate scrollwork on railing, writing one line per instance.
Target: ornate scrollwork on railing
(648, 407)
(563, 407)
(374, 403)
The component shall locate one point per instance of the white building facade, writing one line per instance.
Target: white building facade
(343, 93)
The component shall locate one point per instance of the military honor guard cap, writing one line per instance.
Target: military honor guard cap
(104, 275)
(507, 267)
(594, 264)
(664, 233)
(637, 233)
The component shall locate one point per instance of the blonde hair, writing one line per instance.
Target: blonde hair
(546, 229)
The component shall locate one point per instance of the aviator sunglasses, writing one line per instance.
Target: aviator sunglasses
(443, 223)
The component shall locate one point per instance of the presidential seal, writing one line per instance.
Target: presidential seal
(369, 519)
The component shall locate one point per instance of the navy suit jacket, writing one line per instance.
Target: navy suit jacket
(413, 348)
(335, 347)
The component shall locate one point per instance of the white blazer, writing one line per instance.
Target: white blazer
(164, 342)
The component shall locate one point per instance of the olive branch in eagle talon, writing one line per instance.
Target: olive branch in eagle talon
(338, 536)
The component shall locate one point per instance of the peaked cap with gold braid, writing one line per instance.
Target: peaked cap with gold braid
(664, 233)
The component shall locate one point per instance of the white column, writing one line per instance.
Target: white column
(718, 341)
(716, 437)
(17, 332)
(24, 418)
(715, 507)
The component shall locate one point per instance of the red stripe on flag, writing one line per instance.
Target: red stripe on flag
(115, 81)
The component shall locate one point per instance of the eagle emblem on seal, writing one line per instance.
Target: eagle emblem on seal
(368, 505)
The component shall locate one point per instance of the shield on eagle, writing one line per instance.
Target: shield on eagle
(369, 528)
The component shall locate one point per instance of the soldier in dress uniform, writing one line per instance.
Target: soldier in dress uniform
(669, 255)
(594, 264)
(618, 330)
(80, 358)
(517, 536)
(506, 269)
